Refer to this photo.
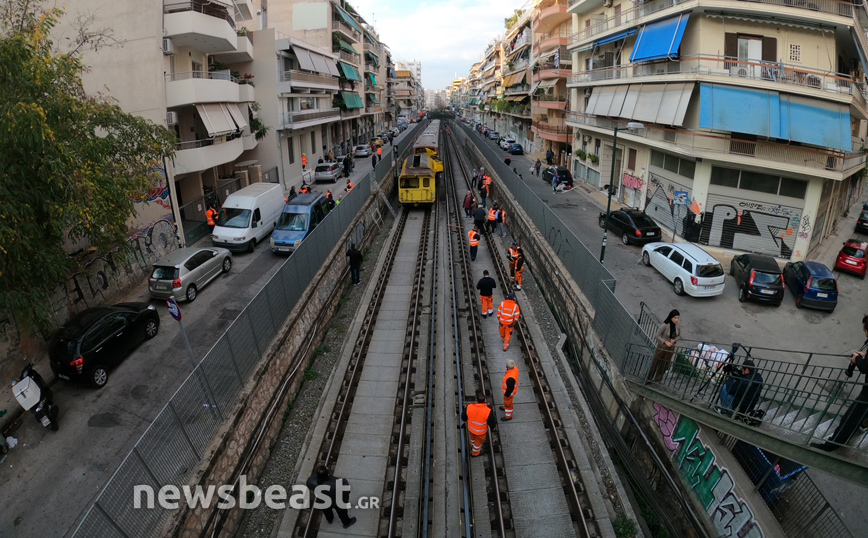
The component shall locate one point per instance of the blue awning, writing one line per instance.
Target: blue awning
(862, 56)
(660, 40)
(613, 38)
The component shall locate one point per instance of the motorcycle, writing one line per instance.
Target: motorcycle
(33, 394)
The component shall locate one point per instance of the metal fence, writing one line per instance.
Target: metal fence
(175, 443)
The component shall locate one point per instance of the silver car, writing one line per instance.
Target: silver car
(328, 172)
(185, 271)
(363, 151)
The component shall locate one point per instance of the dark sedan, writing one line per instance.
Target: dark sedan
(99, 338)
(563, 173)
(516, 149)
(633, 225)
(862, 223)
(758, 278)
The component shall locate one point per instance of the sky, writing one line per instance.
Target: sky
(447, 36)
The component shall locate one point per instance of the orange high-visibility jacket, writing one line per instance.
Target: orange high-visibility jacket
(492, 214)
(303, 160)
(513, 253)
(512, 373)
(473, 235)
(211, 215)
(508, 312)
(477, 418)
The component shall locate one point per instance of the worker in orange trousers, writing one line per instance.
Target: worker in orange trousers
(507, 313)
(479, 418)
(509, 388)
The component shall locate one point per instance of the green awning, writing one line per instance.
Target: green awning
(350, 71)
(373, 79)
(373, 98)
(374, 57)
(349, 20)
(347, 47)
(370, 39)
(352, 100)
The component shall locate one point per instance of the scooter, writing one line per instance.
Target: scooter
(33, 394)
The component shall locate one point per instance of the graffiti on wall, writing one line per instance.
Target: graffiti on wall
(753, 226)
(711, 483)
(672, 206)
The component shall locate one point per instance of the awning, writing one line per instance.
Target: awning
(373, 56)
(546, 84)
(352, 100)
(216, 118)
(660, 40)
(304, 59)
(616, 37)
(333, 67)
(373, 98)
(350, 72)
(863, 56)
(585, 48)
(507, 81)
(346, 46)
(347, 19)
(370, 38)
(534, 88)
(237, 116)
(321, 64)
(665, 104)
(546, 56)
(373, 79)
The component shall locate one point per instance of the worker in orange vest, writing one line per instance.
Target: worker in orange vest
(507, 313)
(211, 216)
(492, 218)
(512, 255)
(380, 152)
(509, 388)
(479, 417)
(303, 161)
(473, 236)
(305, 188)
(349, 186)
(519, 268)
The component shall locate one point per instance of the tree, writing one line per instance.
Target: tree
(509, 22)
(72, 165)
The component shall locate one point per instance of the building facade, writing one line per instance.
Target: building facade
(552, 26)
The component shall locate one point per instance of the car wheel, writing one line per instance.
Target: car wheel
(777, 304)
(54, 426)
(227, 265)
(98, 377)
(678, 286)
(742, 295)
(191, 293)
(602, 222)
(625, 238)
(151, 329)
(799, 301)
(646, 259)
(251, 246)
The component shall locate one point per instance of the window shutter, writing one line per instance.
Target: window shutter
(770, 49)
(730, 48)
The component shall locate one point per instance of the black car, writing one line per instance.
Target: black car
(862, 223)
(563, 173)
(99, 338)
(758, 278)
(633, 225)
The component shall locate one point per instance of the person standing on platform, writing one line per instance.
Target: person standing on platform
(492, 218)
(486, 286)
(473, 237)
(512, 256)
(479, 216)
(303, 161)
(468, 204)
(509, 388)
(667, 336)
(336, 492)
(508, 313)
(479, 418)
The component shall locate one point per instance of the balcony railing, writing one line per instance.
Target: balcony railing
(346, 29)
(206, 8)
(706, 64)
(551, 38)
(518, 88)
(298, 116)
(195, 144)
(300, 76)
(833, 7)
(543, 74)
(350, 58)
(551, 8)
(370, 67)
(551, 128)
(212, 75)
(834, 161)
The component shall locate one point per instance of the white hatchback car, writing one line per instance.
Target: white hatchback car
(690, 269)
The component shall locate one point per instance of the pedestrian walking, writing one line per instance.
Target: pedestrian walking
(374, 161)
(858, 410)
(473, 181)
(334, 494)
(509, 387)
(486, 287)
(519, 268)
(468, 204)
(537, 166)
(347, 167)
(667, 336)
(507, 314)
(211, 216)
(492, 218)
(555, 182)
(380, 153)
(331, 156)
(355, 258)
(479, 418)
(501, 221)
(512, 256)
(330, 199)
(507, 160)
(473, 237)
(479, 216)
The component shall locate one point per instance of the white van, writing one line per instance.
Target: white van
(248, 216)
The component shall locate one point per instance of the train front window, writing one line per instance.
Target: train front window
(409, 182)
(426, 182)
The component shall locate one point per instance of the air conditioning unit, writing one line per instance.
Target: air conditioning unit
(168, 47)
(737, 71)
(171, 118)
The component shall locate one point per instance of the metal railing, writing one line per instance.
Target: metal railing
(543, 74)
(716, 144)
(298, 116)
(300, 76)
(209, 75)
(346, 29)
(206, 8)
(518, 88)
(354, 59)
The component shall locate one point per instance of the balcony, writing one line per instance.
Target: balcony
(245, 9)
(202, 27)
(751, 73)
(552, 131)
(549, 15)
(517, 89)
(373, 109)
(803, 160)
(297, 119)
(346, 31)
(550, 41)
(519, 44)
(249, 141)
(555, 102)
(352, 113)
(191, 87)
(354, 59)
(199, 155)
(371, 68)
(546, 74)
(299, 79)
(243, 52)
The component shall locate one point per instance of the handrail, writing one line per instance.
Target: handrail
(208, 75)
(206, 8)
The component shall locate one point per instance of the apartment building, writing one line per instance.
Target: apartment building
(753, 113)
(491, 75)
(405, 93)
(475, 102)
(552, 27)
(515, 110)
(415, 67)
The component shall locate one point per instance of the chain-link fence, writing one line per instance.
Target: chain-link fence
(175, 443)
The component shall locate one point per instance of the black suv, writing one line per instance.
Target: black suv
(564, 173)
(862, 223)
(758, 277)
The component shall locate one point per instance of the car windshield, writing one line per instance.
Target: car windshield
(644, 221)
(825, 284)
(709, 271)
(293, 222)
(853, 252)
(323, 168)
(233, 217)
(767, 278)
(864, 215)
(164, 273)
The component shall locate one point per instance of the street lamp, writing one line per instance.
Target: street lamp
(631, 126)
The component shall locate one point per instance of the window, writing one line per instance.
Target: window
(794, 188)
(631, 157)
(257, 215)
(670, 163)
(795, 52)
(687, 168)
(724, 177)
(306, 103)
(312, 142)
(677, 258)
(664, 250)
(754, 181)
(291, 151)
(688, 266)
(197, 69)
(597, 146)
(657, 158)
(203, 256)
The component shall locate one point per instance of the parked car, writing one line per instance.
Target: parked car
(248, 216)
(182, 273)
(690, 269)
(812, 284)
(566, 178)
(862, 223)
(395, 131)
(99, 338)
(758, 277)
(299, 218)
(493, 135)
(328, 172)
(505, 143)
(633, 225)
(362, 151)
(853, 257)
(516, 149)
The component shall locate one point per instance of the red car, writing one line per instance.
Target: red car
(853, 257)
